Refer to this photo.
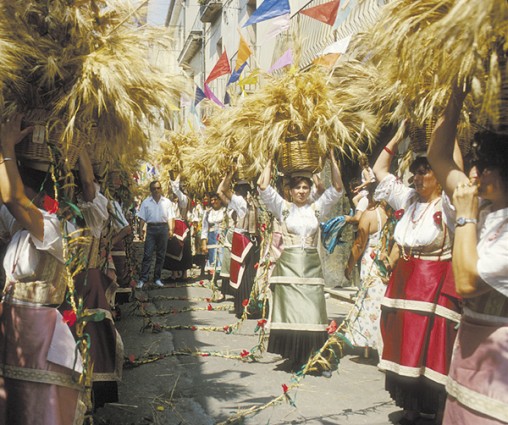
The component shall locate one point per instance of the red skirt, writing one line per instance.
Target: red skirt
(419, 317)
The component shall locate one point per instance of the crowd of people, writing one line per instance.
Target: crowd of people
(432, 251)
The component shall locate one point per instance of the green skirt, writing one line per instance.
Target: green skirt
(298, 309)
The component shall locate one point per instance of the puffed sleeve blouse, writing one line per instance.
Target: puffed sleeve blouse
(418, 227)
(300, 221)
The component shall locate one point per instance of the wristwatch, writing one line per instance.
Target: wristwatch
(461, 221)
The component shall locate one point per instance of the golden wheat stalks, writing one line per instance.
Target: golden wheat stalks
(422, 48)
(88, 66)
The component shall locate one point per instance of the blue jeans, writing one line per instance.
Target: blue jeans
(156, 239)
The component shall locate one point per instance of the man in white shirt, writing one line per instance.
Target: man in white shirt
(157, 212)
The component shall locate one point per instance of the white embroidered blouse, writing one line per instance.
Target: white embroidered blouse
(419, 229)
(302, 222)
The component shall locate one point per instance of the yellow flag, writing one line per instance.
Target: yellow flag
(244, 52)
(252, 78)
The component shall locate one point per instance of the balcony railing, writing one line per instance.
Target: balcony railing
(191, 46)
(210, 10)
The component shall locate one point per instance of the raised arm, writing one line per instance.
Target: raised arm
(264, 178)
(465, 253)
(384, 160)
(12, 191)
(86, 176)
(224, 190)
(359, 244)
(443, 153)
(336, 177)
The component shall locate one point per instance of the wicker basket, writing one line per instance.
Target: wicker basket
(420, 136)
(39, 146)
(299, 155)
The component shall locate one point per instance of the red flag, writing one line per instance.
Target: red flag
(326, 12)
(221, 67)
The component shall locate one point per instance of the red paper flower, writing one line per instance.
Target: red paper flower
(285, 388)
(438, 218)
(205, 354)
(245, 302)
(263, 227)
(373, 254)
(193, 328)
(226, 329)
(256, 265)
(244, 354)
(209, 307)
(132, 358)
(398, 214)
(69, 317)
(332, 327)
(261, 323)
(49, 204)
(201, 282)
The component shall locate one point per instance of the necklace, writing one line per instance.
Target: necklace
(413, 220)
(416, 226)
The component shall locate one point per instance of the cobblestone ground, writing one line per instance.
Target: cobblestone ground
(182, 368)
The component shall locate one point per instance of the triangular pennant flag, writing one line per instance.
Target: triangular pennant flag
(198, 96)
(284, 60)
(252, 78)
(327, 60)
(244, 52)
(221, 67)
(235, 76)
(340, 46)
(227, 98)
(209, 94)
(267, 10)
(326, 12)
(278, 25)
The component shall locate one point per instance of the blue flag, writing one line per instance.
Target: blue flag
(235, 76)
(199, 95)
(227, 98)
(267, 10)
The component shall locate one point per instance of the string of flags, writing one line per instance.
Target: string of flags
(279, 13)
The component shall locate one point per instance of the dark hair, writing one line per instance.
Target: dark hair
(295, 181)
(242, 189)
(213, 195)
(39, 181)
(154, 182)
(491, 151)
(363, 160)
(419, 162)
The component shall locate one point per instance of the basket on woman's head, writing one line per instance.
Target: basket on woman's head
(298, 154)
(48, 143)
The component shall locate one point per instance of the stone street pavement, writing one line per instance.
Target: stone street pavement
(183, 368)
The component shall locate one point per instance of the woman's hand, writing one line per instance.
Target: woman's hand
(11, 133)
(465, 200)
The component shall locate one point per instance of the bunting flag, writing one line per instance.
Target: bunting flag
(244, 52)
(252, 78)
(235, 75)
(209, 94)
(221, 68)
(278, 25)
(284, 60)
(326, 12)
(267, 10)
(327, 61)
(331, 53)
(227, 98)
(340, 46)
(198, 96)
